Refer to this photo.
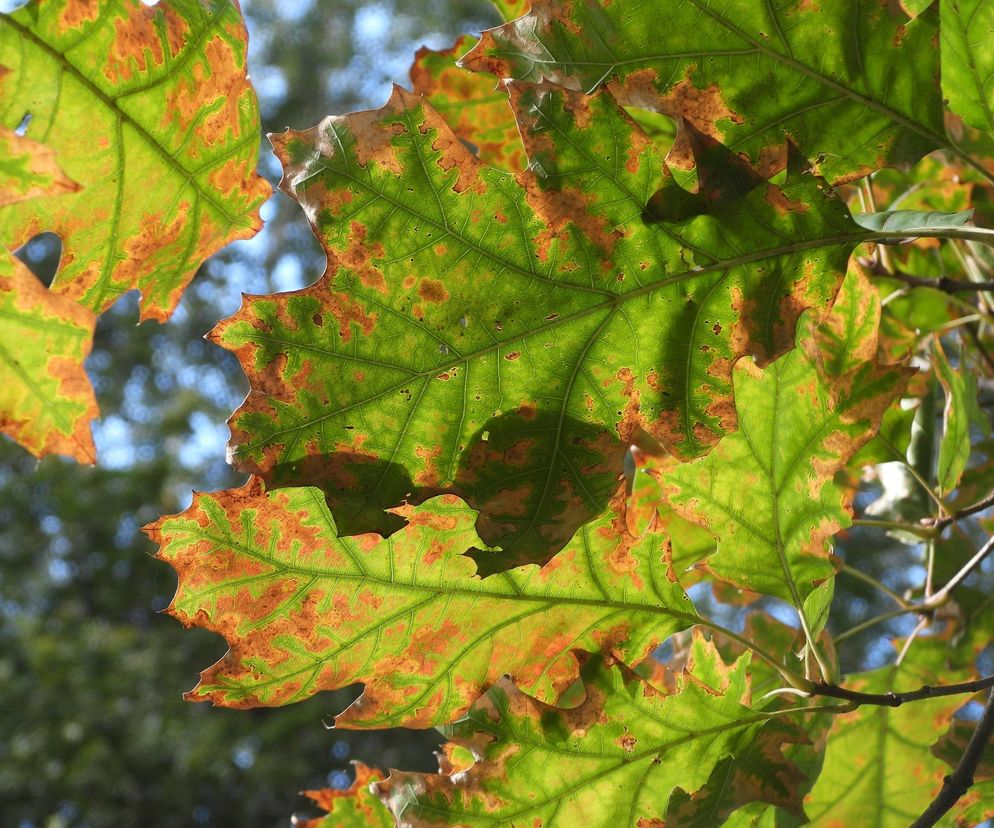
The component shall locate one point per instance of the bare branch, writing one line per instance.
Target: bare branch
(956, 784)
(926, 691)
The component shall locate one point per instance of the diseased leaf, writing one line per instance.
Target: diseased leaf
(977, 804)
(510, 9)
(354, 807)
(891, 441)
(304, 610)
(155, 121)
(862, 76)
(759, 773)
(878, 770)
(617, 758)
(150, 137)
(46, 401)
(473, 105)
(767, 491)
(503, 337)
(28, 169)
(968, 61)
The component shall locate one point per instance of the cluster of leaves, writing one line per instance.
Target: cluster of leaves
(608, 312)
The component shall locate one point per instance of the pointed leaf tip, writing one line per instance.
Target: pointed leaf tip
(304, 609)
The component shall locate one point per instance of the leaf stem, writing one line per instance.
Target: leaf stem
(980, 234)
(923, 532)
(956, 784)
(859, 575)
(943, 283)
(788, 675)
(952, 517)
(877, 619)
(940, 597)
(917, 475)
(926, 691)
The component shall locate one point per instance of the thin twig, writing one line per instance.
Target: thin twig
(925, 532)
(940, 597)
(943, 283)
(877, 619)
(974, 331)
(923, 621)
(926, 691)
(959, 514)
(901, 458)
(873, 582)
(956, 784)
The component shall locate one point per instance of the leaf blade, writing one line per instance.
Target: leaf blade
(304, 609)
(474, 328)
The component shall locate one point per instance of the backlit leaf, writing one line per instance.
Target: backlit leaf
(147, 137)
(304, 610)
(977, 804)
(961, 411)
(617, 758)
(503, 337)
(353, 807)
(878, 770)
(862, 76)
(759, 773)
(968, 61)
(510, 9)
(46, 402)
(767, 491)
(473, 105)
(154, 120)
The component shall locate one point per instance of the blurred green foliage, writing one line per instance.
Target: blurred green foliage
(93, 727)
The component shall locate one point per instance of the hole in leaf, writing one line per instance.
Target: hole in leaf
(42, 254)
(22, 128)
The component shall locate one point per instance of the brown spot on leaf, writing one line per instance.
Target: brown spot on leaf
(432, 291)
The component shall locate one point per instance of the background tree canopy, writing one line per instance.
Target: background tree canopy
(93, 728)
(748, 243)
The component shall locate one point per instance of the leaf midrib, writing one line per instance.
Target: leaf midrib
(614, 301)
(625, 762)
(280, 569)
(123, 117)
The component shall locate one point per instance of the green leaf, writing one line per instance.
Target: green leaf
(511, 9)
(305, 610)
(503, 337)
(474, 107)
(767, 491)
(46, 402)
(961, 411)
(353, 807)
(758, 773)
(878, 770)
(890, 444)
(156, 123)
(977, 805)
(967, 60)
(616, 758)
(910, 224)
(853, 84)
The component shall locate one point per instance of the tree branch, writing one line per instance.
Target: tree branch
(943, 283)
(956, 784)
(941, 523)
(927, 691)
